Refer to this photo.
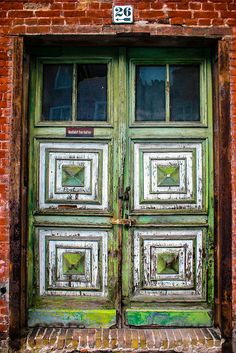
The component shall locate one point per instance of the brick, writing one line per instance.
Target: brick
(44, 21)
(195, 5)
(182, 6)
(69, 6)
(205, 14)
(69, 342)
(221, 6)
(18, 30)
(105, 338)
(38, 29)
(121, 338)
(96, 5)
(85, 21)
(190, 22)
(208, 6)
(11, 5)
(60, 21)
(152, 15)
(53, 337)
(204, 22)
(143, 6)
(98, 339)
(156, 6)
(104, 6)
(217, 22)
(228, 14)
(61, 339)
(177, 21)
(231, 22)
(171, 5)
(5, 22)
(231, 7)
(182, 14)
(22, 14)
(56, 6)
(128, 338)
(39, 337)
(77, 14)
(150, 339)
(134, 339)
(49, 13)
(113, 339)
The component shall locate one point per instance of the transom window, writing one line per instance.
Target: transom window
(81, 89)
(159, 93)
(167, 92)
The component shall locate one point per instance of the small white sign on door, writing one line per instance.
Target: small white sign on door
(123, 14)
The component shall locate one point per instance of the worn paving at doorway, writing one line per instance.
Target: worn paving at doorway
(62, 340)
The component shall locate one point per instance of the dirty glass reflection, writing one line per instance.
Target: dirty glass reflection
(184, 93)
(150, 93)
(92, 92)
(57, 92)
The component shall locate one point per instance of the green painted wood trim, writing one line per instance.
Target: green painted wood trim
(79, 318)
(169, 317)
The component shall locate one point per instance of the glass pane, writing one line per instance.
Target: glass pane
(150, 93)
(184, 93)
(92, 92)
(57, 92)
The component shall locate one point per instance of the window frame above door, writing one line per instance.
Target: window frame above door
(103, 56)
(153, 57)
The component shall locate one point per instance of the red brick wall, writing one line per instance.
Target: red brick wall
(5, 121)
(93, 16)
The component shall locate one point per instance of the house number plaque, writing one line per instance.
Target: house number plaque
(79, 132)
(123, 14)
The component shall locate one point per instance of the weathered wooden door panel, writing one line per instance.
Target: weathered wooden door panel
(121, 217)
(168, 260)
(72, 244)
(74, 174)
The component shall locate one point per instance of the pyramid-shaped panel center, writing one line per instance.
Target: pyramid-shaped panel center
(168, 175)
(73, 263)
(168, 263)
(72, 175)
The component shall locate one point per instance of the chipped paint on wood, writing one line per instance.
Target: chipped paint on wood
(167, 170)
(185, 247)
(155, 188)
(56, 187)
(76, 318)
(54, 244)
(169, 317)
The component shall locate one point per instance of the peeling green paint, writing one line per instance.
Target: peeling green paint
(79, 318)
(75, 310)
(169, 317)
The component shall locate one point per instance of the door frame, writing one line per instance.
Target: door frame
(18, 188)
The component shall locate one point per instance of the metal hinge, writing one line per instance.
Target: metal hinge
(128, 222)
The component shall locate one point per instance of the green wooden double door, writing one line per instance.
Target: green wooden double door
(120, 188)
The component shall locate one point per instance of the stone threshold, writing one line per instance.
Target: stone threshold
(63, 340)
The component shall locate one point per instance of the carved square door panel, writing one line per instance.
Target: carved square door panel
(120, 198)
(76, 262)
(74, 173)
(169, 176)
(169, 264)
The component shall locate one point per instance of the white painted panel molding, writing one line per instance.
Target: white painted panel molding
(73, 262)
(73, 173)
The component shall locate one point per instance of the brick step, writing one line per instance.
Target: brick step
(62, 340)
